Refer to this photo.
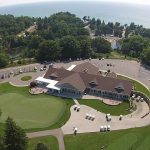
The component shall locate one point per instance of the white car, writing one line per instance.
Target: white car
(41, 69)
(35, 68)
(11, 72)
(20, 71)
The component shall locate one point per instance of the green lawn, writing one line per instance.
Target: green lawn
(50, 141)
(26, 78)
(33, 112)
(138, 85)
(100, 106)
(130, 139)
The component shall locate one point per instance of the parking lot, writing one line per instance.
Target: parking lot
(14, 75)
(128, 68)
(131, 69)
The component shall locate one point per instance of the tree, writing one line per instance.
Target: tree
(3, 60)
(132, 26)
(146, 33)
(84, 18)
(70, 47)
(2, 146)
(14, 138)
(145, 56)
(100, 45)
(49, 50)
(134, 45)
(41, 146)
(93, 24)
(85, 47)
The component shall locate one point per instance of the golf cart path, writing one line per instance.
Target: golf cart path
(55, 132)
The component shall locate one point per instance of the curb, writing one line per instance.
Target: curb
(18, 85)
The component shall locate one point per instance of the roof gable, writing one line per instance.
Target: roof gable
(74, 80)
(86, 67)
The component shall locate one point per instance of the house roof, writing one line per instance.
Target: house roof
(107, 83)
(60, 72)
(86, 67)
(74, 80)
(82, 80)
(112, 75)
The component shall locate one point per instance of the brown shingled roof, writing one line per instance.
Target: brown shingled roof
(86, 68)
(111, 74)
(74, 80)
(81, 80)
(60, 72)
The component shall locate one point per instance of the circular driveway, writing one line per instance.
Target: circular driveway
(78, 120)
(16, 81)
(28, 70)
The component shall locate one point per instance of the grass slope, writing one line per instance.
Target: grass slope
(50, 141)
(135, 139)
(100, 106)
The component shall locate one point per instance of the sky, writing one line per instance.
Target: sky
(13, 2)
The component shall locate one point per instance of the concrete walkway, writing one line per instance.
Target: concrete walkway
(76, 101)
(56, 133)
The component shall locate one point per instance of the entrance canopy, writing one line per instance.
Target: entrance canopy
(51, 83)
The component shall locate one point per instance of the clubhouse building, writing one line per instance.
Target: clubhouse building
(84, 79)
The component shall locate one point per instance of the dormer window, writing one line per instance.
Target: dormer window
(119, 88)
(93, 83)
(53, 76)
(85, 70)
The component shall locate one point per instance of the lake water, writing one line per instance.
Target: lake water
(123, 13)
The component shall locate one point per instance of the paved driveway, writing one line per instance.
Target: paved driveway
(78, 120)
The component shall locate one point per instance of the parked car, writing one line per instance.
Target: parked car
(35, 68)
(11, 72)
(41, 69)
(20, 71)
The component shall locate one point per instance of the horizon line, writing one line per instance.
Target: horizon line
(49, 1)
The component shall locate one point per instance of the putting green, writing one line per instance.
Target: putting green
(31, 111)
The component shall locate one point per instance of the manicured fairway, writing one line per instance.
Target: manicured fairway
(50, 141)
(130, 139)
(31, 111)
(100, 106)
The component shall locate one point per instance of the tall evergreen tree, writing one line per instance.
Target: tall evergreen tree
(14, 138)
